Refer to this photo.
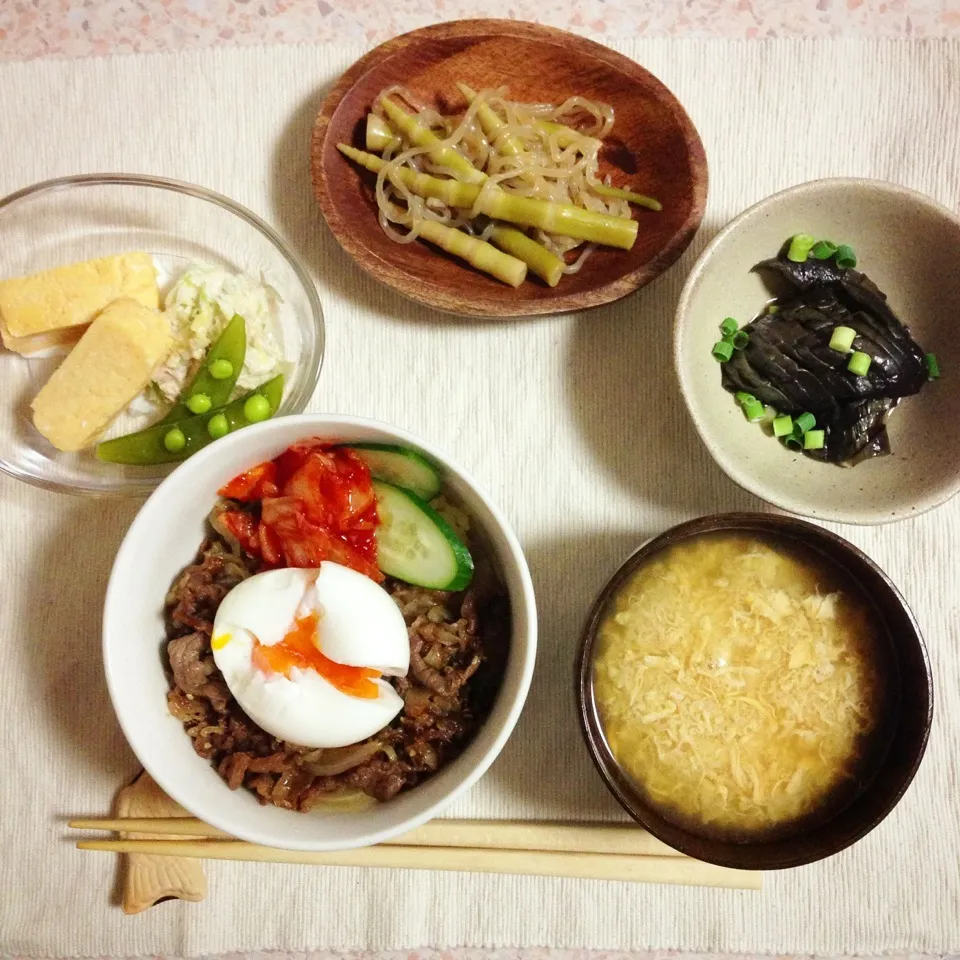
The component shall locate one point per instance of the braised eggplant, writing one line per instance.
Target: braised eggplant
(788, 363)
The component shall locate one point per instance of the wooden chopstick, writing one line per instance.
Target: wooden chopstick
(482, 834)
(585, 851)
(585, 866)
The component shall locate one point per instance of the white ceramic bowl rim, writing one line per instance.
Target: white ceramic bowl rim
(317, 425)
(718, 451)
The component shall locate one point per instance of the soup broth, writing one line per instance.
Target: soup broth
(738, 684)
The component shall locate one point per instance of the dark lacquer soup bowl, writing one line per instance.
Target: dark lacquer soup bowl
(818, 647)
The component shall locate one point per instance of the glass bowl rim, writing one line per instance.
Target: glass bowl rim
(296, 402)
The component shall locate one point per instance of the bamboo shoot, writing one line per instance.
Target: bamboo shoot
(422, 136)
(494, 128)
(636, 198)
(476, 252)
(379, 136)
(559, 218)
(546, 265)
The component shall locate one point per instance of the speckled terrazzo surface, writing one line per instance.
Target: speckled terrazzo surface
(33, 29)
(79, 28)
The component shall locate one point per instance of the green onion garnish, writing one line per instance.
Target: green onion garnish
(740, 339)
(729, 327)
(743, 397)
(783, 426)
(842, 339)
(823, 250)
(753, 410)
(800, 247)
(772, 308)
(859, 363)
(806, 422)
(846, 258)
(933, 368)
(813, 440)
(792, 442)
(722, 351)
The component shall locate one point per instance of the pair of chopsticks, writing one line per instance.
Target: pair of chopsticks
(583, 851)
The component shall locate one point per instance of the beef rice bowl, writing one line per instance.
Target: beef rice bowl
(342, 632)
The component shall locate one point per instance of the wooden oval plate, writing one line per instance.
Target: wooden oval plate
(654, 148)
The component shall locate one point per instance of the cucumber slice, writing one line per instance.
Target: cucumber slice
(400, 466)
(415, 544)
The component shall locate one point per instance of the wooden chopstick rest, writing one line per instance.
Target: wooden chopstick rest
(148, 878)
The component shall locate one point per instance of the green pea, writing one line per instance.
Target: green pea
(174, 440)
(199, 403)
(257, 408)
(150, 446)
(230, 349)
(221, 369)
(218, 426)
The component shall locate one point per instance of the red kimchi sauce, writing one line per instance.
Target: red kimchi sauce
(316, 503)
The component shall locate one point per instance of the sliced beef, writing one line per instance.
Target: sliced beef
(457, 656)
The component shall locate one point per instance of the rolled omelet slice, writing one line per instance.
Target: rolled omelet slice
(54, 307)
(110, 365)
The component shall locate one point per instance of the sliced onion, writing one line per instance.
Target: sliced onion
(416, 701)
(433, 657)
(214, 519)
(340, 759)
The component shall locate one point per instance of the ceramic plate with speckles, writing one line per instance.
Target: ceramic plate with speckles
(910, 247)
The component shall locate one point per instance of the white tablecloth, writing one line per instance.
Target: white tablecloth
(576, 426)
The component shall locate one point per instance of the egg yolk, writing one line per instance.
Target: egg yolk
(297, 649)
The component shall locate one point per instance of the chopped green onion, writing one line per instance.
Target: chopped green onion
(806, 422)
(823, 250)
(772, 308)
(933, 368)
(842, 339)
(753, 411)
(740, 339)
(783, 425)
(729, 327)
(859, 363)
(742, 397)
(846, 258)
(813, 440)
(769, 415)
(792, 442)
(722, 351)
(800, 247)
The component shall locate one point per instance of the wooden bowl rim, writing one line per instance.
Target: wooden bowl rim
(796, 849)
(487, 306)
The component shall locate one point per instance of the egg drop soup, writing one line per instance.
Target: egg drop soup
(738, 684)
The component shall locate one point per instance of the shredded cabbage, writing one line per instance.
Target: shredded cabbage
(199, 306)
(732, 687)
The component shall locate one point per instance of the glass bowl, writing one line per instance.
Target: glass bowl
(70, 219)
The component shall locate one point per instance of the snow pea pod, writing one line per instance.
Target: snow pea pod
(148, 447)
(229, 349)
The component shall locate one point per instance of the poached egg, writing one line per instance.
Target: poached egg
(304, 652)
